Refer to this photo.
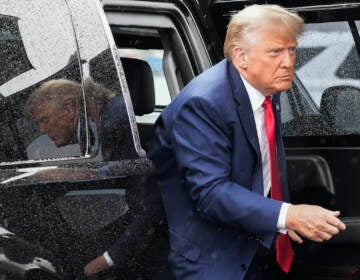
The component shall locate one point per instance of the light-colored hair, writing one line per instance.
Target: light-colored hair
(254, 17)
(56, 92)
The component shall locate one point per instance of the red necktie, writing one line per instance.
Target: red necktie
(284, 251)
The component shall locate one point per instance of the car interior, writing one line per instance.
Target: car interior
(140, 81)
(145, 102)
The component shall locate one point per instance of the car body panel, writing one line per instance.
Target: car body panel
(44, 185)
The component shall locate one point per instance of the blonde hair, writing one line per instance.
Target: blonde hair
(56, 92)
(257, 16)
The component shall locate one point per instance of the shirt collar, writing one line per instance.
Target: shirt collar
(256, 97)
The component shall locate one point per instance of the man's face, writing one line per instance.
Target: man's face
(268, 62)
(57, 123)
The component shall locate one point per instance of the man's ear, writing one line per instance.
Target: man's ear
(240, 57)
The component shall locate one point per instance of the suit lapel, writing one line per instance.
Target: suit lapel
(246, 118)
(244, 109)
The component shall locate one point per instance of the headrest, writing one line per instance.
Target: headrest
(140, 81)
(340, 106)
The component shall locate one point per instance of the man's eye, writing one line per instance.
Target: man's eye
(274, 52)
(292, 49)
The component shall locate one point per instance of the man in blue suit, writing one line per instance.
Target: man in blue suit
(215, 162)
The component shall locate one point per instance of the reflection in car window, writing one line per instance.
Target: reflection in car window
(286, 113)
(46, 39)
(327, 69)
(12, 50)
(36, 45)
(321, 71)
(304, 55)
(346, 69)
(111, 132)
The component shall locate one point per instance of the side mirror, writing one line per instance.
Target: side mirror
(340, 107)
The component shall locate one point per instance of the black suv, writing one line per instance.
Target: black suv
(57, 213)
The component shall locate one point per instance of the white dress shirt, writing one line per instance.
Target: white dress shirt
(108, 259)
(256, 100)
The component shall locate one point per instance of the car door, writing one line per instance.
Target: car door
(320, 128)
(66, 200)
(166, 35)
(328, 72)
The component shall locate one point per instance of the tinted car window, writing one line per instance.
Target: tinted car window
(110, 121)
(324, 97)
(36, 45)
(335, 64)
(64, 54)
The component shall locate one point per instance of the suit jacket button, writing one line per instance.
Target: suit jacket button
(243, 266)
(219, 229)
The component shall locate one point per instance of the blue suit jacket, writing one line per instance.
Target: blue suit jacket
(115, 139)
(208, 157)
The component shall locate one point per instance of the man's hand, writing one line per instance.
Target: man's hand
(95, 266)
(294, 236)
(312, 222)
